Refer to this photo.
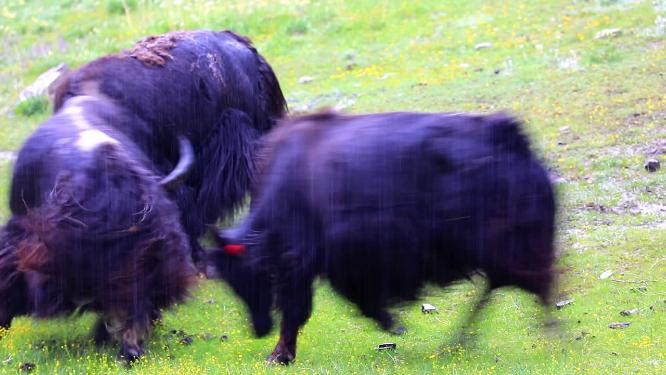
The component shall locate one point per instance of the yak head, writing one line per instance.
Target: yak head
(251, 281)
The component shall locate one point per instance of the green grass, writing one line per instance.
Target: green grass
(595, 109)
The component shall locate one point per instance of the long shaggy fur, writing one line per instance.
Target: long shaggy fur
(381, 204)
(211, 87)
(91, 227)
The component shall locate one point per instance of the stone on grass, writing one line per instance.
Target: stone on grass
(559, 305)
(628, 312)
(619, 325)
(427, 308)
(305, 79)
(606, 274)
(387, 346)
(608, 33)
(45, 84)
(652, 165)
(483, 45)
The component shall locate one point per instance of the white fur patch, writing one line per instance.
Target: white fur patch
(75, 113)
(89, 139)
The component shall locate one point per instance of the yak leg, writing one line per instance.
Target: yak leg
(100, 331)
(136, 326)
(14, 298)
(460, 338)
(132, 337)
(374, 308)
(296, 306)
(13, 302)
(198, 255)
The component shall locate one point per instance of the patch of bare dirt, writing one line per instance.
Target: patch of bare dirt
(155, 49)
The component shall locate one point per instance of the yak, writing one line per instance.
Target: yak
(211, 87)
(92, 226)
(381, 204)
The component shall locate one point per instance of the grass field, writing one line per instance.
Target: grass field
(595, 109)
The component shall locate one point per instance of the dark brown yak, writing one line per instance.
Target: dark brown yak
(212, 88)
(381, 204)
(92, 226)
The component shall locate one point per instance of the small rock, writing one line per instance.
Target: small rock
(582, 335)
(210, 301)
(179, 333)
(628, 312)
(387, 346)
(619, 325)
(45, 84)
(305, 80)
(27, 367)
(7, 155)
(555, 179)
(564, 129)
(224, 338)
(483, 45)
(606, 274)
(187, 340)
(427, 308)
(652, 165)
(7, 360)
(561, 304)
(344, 103)
(608, 33)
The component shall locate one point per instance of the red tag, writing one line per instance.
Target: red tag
(234, 249)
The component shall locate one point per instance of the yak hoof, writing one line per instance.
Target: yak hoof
(280, 357)
(130, 353)
(399, 330)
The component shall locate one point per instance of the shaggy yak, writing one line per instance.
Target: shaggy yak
(381, 204)
(210, 87)
(92, 227)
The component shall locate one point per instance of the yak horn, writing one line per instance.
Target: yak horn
(179, 174)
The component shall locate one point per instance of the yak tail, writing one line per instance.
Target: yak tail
(505, 132)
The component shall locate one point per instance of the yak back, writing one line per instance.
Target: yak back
(182, 81)
(405, 197)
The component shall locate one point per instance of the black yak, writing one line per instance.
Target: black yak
(381, 204)
(92, 226)
(211, 87)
